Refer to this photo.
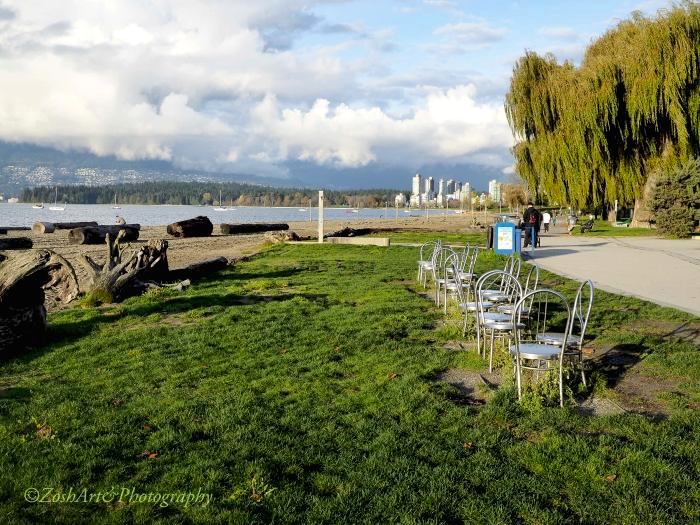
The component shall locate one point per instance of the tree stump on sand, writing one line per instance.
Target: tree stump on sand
(50, 227)
(119, 279)
(98, 234)
(232, 229)
(198, 227)
(16, 243)
(23, 279)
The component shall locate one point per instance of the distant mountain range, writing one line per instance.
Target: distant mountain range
(27, 165)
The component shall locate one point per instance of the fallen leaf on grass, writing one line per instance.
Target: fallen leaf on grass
(468, 444)
(392, 375)
(148, 454)
(610, 478)
(44, 432)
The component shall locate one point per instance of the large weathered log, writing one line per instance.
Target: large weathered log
(15, 228)
(198, 270)
(23, 279)
(98, 234)
(50, 227)
(16, 243)
(198, 227)
(232, 229)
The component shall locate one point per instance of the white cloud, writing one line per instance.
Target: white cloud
(447, 124)
(218, 84)
(472, 32)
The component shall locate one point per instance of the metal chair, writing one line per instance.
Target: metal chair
(438, 269)
(496, 322)
(538, 355)
(583, 302)
(531, 283)
(425, 260)
(511, 267)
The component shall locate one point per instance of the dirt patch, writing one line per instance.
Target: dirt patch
(640, 394)
(599, 406)
(475, 388)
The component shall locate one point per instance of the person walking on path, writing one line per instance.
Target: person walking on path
(531, 223)
(546, 219)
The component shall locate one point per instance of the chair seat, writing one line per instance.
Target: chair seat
(451, 285)
(471, 306)
(537, 351)
(556, 338)
(495, 317)
(508, 309)
(501, 325)
(496, 297)
(467, 275)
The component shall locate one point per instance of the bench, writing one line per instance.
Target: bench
(624, 223)
(588, 226)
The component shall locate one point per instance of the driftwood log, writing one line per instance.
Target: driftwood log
(50, 227)
(119, 277)
(198, 270)
(16, 243)
(231, 229)
(198, 227)
(98, 234)
(23, 280)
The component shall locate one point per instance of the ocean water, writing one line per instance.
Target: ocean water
(21, 214)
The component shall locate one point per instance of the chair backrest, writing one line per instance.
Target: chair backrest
(451, 265)
(428, 248)
(497, 278)
(583, 303)
(440, 257)
(464, 257)
(550, 298)
(472, 261)
(532, 279)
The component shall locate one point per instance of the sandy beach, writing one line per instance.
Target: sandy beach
(182, 252)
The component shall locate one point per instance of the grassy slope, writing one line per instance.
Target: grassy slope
(296, 388)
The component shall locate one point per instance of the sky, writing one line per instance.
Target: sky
(252, 87)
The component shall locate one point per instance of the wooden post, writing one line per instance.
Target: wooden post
(320, 216)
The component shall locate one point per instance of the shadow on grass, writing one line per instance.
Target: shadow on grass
(618, 360)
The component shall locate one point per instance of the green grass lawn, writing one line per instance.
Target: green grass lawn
(603, 228)
(419, 237)
(298, 387)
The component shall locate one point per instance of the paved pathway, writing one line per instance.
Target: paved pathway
(666, 272)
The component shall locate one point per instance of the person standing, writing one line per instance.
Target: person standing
(546, 219)
(531, 223)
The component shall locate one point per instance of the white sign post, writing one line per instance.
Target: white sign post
(320, 216)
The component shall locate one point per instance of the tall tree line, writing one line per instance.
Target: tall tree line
(195, 193)
(600, 132)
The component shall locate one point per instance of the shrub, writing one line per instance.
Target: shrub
(676, 199)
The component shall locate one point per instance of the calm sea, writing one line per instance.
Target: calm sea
(24, 215)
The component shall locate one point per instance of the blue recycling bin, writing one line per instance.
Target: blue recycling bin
(506, 238)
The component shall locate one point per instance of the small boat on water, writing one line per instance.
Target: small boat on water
(302, 209)
(116, 206)
(38, 206)
(55, 206)
(220, 207)
(12, 200)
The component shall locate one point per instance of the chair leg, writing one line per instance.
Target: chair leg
(491, 352)
(518, 380)
(445, 298)
(464, 327)
(561, 386)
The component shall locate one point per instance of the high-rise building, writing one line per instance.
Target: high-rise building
(450, 188)
(429, 186)
(416, 184)
(441, 187)
(495, 190)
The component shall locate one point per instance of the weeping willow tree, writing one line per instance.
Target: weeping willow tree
(593, 134)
